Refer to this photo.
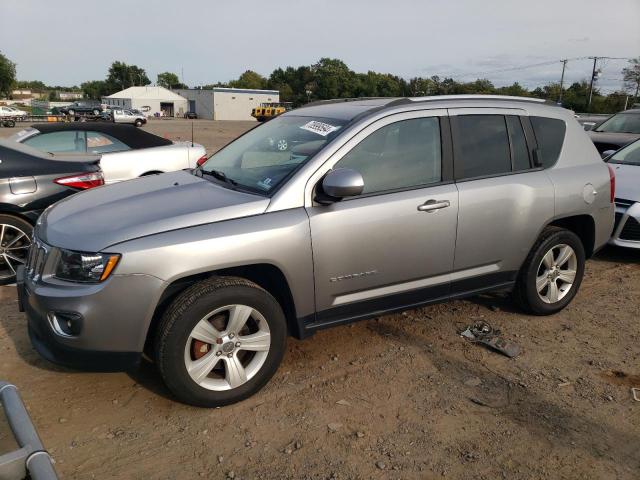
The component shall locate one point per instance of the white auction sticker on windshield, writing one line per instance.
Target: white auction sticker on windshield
(320, 128)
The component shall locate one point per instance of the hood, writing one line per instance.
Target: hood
(612, 139)
(98, 218)
(627, 181)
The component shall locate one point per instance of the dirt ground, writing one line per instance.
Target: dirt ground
(402, 396)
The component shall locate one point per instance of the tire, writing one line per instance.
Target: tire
(96, 111)
(138, 123)
(17, 247)
(71, 113)
(9, 123)
(534, 290)
(211, 304)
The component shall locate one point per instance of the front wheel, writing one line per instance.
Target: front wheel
(15, 240)
(96, 112)
(138, 123)
(552, 273)
(220, 341)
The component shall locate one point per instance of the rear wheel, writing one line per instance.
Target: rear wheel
(96, 111)
(220, 341)
(138, 123)
(15, 240)
(552, 273)
(72, 112)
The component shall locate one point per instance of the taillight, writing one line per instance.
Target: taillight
(81, 181)
(612, 183)
(201, 160)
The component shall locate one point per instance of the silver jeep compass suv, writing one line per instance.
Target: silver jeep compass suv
(336, 212)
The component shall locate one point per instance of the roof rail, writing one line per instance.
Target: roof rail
(344, 100)
(480, 97)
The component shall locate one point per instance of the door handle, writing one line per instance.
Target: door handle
(431, 206)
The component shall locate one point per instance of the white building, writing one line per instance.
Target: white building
(150, 100)
(227, 103)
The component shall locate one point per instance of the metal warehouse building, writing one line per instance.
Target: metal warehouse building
(150, 100)
(227, 103)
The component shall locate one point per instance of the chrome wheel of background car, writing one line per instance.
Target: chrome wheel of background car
(14, 249)
(227, 347)
(556, 273)
(282, 145)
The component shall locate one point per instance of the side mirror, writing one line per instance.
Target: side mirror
(607, 153)
(588, 126)
(341, 183)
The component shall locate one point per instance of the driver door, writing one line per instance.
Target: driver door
(386, 249)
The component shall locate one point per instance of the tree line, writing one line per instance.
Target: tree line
(332, 78)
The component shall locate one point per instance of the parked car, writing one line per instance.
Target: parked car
(31, 181)
(13, 112)
(127, 152)
(127, 116)
(626, 164)
(191, 115)
(83, 107)
(212, 269)
(616, 131)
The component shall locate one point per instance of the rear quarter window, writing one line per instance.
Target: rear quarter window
(549, 134)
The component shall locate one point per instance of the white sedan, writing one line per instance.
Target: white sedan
(127, 152)
(6, 111)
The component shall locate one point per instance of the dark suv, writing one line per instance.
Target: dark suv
(83, 106)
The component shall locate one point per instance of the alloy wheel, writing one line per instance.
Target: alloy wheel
(556, 273)
(227, 347)
(14, 249)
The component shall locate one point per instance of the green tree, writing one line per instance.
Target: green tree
(7, 75)
(33, 85)
(123, 76)
(631, 76)
(251, 80)
(96, 89)
(333, 79)
(169, 80)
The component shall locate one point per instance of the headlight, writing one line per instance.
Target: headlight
(85, 267)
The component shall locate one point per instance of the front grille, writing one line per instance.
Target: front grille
(623, 203)
(631, 230)
(617, 221)
(37, 258)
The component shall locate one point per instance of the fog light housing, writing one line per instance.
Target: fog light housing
(66, 324)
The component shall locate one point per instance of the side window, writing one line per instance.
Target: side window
(519, 150)
(68, 141)
(482, 146)
(103, 143)
(549, 134)
(404, 154)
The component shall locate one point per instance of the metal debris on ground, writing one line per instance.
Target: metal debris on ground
(482, 332)
(635, 393)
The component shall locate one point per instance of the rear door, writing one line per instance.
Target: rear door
(504, 199)
(385, 249)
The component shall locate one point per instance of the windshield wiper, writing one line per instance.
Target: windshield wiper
(220, 175)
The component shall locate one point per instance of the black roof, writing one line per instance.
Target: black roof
(132, 136)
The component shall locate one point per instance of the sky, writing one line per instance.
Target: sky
(66, 42)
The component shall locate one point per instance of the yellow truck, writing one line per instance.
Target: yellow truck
(267, 111)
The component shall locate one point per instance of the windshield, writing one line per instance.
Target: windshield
(629, 154)
(261, 159)
(621, 123)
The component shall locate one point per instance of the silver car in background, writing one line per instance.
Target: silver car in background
(626, 165)
(127, 152)
(119, 115)
(328, 214)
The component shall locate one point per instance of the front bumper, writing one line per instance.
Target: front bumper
(626, 230)
(115, 318)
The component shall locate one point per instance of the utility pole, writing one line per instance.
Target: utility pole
(564, 65)
(593, 75)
